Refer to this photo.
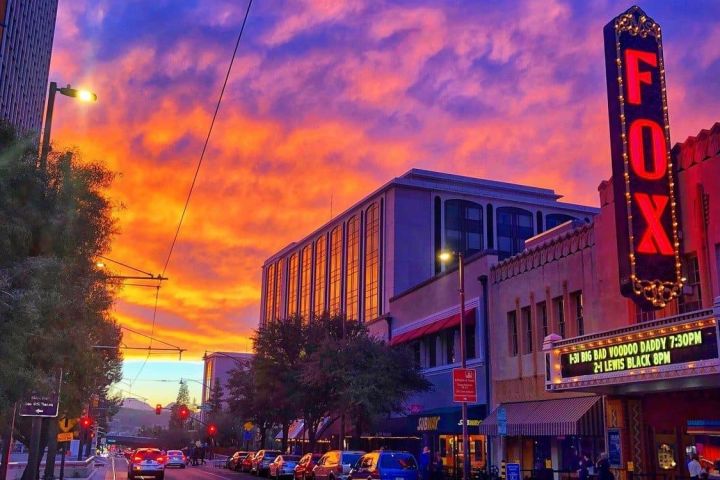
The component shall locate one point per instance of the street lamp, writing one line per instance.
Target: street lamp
(445, 257)
(82, 95)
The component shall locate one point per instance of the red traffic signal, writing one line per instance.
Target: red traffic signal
(184, 412)
(158, 409)
(212, 430)
(85, 423)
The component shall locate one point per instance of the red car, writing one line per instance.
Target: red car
(245, 464)
(304, 468)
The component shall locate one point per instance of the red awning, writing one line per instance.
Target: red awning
(437, 326)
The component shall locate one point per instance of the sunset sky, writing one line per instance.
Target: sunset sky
(329, 99)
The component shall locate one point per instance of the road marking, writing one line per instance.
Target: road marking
(216, 475)
(112, 461)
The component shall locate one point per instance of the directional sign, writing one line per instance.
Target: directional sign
(67, 424)
(464, 385)
(43, 403)
(512, 471)
(65, 437)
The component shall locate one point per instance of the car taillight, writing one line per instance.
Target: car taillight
(160, 459)
(137, 459)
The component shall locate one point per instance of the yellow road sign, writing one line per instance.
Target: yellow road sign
(67, 424)
(64, 437)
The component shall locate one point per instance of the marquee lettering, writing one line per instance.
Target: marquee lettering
(638, 158)
(634, 75)
(654, 240)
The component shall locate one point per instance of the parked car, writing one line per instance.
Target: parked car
(386, 465)
(146, 462)
(262, 460)
(304, 468)
(175, 458)
(234, 459)
(283, 466)
(336, 464)
(245, 465)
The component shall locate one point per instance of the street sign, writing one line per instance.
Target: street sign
(43, 403)
(464, 385)
(502, 421)
(67, 424)
(65, 437)
(512, 471)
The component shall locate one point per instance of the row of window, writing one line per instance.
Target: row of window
(520, 333)
(464, 227)
(326, 275)
(443, 348)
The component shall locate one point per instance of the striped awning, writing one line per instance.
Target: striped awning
(295, 430)
(557, 417)
(703, 427)
(442, 324)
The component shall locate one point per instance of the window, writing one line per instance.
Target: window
(514, 226)
(449, 346)
(577, 300)
(490, 226)
(554, 219)
(512, 333)
(693, 300)
(538, 222)
(270, 292)
(306, 282)
(320, 276)
(542, 317)
(416, 353)
(470, 341)
(336, 271)
(559, 307)
(293, 284)
(431, 349)
(527, 329)
(279, 272)
(437, 211)
(352, 272)
(463, 226)
(372, 262)
(644, 314)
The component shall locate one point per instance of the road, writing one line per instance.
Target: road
(117, 470)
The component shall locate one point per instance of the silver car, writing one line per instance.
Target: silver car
(175, 458)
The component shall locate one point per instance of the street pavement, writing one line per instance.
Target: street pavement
(117, 470)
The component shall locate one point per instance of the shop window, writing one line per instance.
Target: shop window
(554, 219)
(527, 329)
(449, 346)
(463, 226)
(559, 306)
(514, 226)
(543, 326)
(577, 302)
(470, 341)
(644, 314)
(692, 300)
(512, 333)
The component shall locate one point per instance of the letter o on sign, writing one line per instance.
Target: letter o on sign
(637, 150)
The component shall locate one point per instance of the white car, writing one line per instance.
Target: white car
(146, 462)
(175, 458)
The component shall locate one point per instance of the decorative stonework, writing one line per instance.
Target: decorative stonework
(553, 250)
(695, 150)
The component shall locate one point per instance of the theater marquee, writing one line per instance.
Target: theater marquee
(646, 212)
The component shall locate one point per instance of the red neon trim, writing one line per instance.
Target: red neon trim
(634, 76)
(637, 150)
(654, 240)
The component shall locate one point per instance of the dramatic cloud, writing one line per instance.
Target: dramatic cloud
(330, 99)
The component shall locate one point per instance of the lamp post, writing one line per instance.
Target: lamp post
(446, 256)
(82, 95)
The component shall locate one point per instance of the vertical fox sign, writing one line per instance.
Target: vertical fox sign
(646, 212)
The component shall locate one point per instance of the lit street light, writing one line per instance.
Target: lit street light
(82, 95)
(445, 257)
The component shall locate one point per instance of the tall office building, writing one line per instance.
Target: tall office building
(26, 39)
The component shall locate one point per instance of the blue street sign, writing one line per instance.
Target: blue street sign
(502, 420)
(512, 471)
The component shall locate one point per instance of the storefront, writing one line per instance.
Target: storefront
(441, 430)
(660, 383)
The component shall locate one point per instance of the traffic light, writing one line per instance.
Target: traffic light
(184, 412)
(158, 409)
(212, 430)
(86, 423)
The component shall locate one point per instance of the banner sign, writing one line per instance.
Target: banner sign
(646, 210)
(646, 351)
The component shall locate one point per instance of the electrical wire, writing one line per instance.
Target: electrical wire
(194, 180)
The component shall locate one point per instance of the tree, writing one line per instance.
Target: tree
(182, 399)
(53, 225)
(248, 402)
(216, 399)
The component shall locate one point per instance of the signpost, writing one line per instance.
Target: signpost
(512, 471)
(464, 385)
(502, 421)
(646, 211)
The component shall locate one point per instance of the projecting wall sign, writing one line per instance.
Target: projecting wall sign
(646, 212)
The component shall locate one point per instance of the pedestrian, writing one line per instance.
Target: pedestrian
(203, 447)
(425, 463)
(583, 467)
(603, 468)
(694, 468)
(195, 454)
(438, 473)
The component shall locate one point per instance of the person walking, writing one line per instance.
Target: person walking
(425, 464)
(603, 468)
(437, 468)
(694, 468)
(584, 467)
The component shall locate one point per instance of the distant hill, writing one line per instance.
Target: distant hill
(135, 404)
(135, 413)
